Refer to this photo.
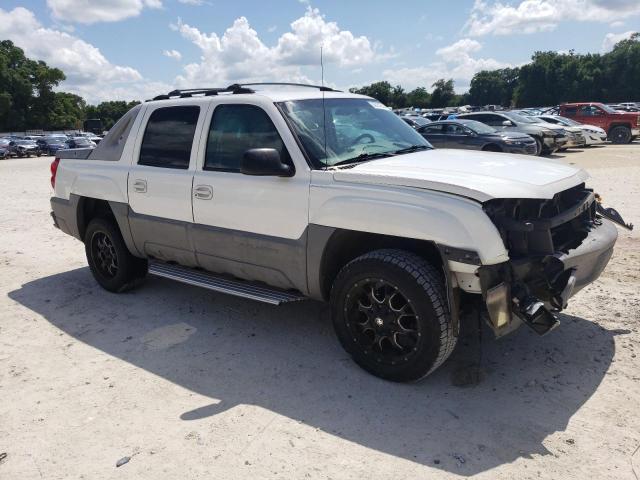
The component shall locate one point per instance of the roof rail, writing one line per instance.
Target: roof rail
(319, 87)
(190, 92)
(235, 88)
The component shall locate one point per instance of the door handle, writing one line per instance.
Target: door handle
(203, 192)
(140, 186)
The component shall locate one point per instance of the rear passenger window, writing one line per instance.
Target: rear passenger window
(570, 111)
(169, 136)
(236, 129)
(431, 129)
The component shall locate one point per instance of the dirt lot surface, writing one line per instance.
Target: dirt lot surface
(190, 384)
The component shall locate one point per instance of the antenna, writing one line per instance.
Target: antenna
(324, 110)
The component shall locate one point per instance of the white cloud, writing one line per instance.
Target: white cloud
(272, 28)
(610, 39)
(88, 72)
(176, 55)
(240, 55)
(92, 11)
(455, 61)
(461, 47)
(530, 16)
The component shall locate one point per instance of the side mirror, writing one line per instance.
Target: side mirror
(507, 123)
(264, 162)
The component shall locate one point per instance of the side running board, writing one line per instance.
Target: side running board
(239, 288)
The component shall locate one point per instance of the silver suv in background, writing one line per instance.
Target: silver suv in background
(549, 138)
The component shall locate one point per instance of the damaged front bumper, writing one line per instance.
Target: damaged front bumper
(553, 256)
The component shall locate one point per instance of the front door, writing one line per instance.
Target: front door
(253, 227)
(160, 181)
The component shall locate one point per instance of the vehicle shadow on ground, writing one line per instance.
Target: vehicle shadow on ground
(287, 359)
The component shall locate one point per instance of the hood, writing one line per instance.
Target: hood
(477, 175)
(551, 126)
(593, 128)
(511, 135)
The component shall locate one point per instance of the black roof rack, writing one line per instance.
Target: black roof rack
(319, 87)
(236, 88)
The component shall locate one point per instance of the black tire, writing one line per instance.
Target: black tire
(620, 135)
(491, 148)
(539, 146)
(423, 340)
(111, 263)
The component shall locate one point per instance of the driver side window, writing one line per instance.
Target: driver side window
(234, 130)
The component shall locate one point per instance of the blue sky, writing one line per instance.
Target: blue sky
(112, 49)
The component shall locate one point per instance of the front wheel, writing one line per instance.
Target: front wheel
(620, 135)
(111, 263)
(539, 146)
(390, 314)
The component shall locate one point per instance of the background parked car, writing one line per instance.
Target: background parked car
(24, 148)
(620, 127)
(50, 145)
(80, 142)
(592, 135)
(472, 135)
(548, 138)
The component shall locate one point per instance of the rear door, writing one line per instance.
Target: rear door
(458, 136)
(253, 227)
(160, 179)
(435, 135)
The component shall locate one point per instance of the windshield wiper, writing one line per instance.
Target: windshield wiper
(412, 148)
(363, 157)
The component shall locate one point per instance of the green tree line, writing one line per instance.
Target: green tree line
(549, 79)
(28, 100)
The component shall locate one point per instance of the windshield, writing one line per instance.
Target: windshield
(607, 108)
(421, 122)
(52, 141)
(478, 127)
(516, 117)
(25, 142)
(565, 121)
(356, 130)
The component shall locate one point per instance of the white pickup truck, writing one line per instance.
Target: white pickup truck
(284, 193)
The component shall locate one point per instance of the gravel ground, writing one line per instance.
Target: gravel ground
(190, 384)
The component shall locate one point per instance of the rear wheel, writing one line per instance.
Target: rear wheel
(620, 135)
(390, 314)
(111, 263)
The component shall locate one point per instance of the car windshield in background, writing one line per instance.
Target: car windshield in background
(478, 127)
(25, 142)
(356, 130)
(421, 122)
(516, 117)
(568, 121)
(81, 141)
(54, 141)
(608, 109)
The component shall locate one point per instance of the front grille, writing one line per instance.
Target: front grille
(544, 227)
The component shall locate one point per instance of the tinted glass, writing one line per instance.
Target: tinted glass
(453, 129)
(477, 127)
(236, 129)
(431, 129)
(168, 138)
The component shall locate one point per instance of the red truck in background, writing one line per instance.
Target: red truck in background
(621, 127)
